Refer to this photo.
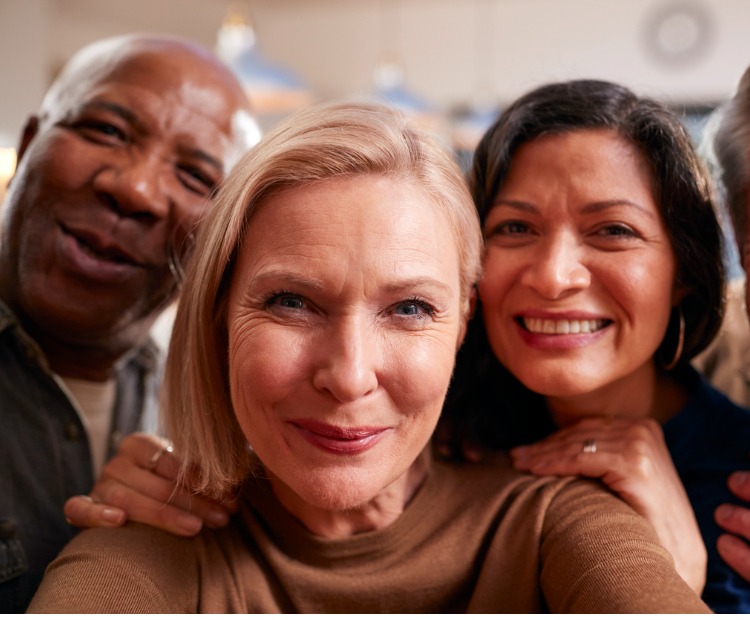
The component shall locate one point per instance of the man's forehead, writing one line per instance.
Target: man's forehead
(112, 72)
(164, 64)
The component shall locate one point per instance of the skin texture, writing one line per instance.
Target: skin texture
(114, 172)
(575, 240)
(733, 546)
(343, 322)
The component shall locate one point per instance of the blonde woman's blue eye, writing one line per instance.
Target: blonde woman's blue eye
(414, 308)
(290, 301)
(285, 300)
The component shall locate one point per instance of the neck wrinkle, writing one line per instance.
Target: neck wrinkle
(377, 514)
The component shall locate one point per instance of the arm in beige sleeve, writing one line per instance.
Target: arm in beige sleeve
(133, 569)
(600, 556)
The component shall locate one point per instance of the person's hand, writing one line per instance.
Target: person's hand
(139, 484)
(632, 459)
(733, 547)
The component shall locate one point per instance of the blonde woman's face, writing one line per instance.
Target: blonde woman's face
(344, 320)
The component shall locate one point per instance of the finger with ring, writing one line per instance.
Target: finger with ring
(589, 446)
(154, 460)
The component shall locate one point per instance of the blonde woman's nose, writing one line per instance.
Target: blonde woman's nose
(347, 360)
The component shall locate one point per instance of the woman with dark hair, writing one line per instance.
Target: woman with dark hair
(603, 278)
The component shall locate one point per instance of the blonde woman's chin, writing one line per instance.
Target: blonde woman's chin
(337, 502)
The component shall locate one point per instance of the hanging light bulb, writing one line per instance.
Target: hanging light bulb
(273, 89)
(389, 82)
(471, 120)
(389, 77)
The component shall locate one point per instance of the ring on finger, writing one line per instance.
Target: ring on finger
(589, 446)
(153, 462)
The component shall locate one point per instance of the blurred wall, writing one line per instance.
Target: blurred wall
(686, 51)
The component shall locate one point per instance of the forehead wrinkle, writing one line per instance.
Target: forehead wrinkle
(126, 113)
(137, 123)
(205, 94)
(275, 272)
(397, 276)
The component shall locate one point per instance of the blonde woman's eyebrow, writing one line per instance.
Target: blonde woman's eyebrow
(289, 278)
(410, 284)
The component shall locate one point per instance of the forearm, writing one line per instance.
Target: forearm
(600, 556)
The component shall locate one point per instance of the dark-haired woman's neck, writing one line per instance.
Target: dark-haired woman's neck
(646, 393)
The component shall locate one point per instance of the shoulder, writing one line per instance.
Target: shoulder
(132, 569)
(726, 362)
(575, 518)
(494, 486)
(599, 555)
(586, 549)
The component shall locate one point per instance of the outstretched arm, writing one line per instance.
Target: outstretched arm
(632, 459)
(733, 547)
(139, 484)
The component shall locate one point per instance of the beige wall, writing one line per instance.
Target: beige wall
(451, 48)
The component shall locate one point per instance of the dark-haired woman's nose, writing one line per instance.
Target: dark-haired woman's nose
(558, 269)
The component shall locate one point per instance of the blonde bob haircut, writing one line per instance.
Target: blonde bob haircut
(324, 142)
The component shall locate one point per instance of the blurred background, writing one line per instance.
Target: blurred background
(452, 63)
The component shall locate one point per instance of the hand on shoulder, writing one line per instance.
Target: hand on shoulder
(139, 484)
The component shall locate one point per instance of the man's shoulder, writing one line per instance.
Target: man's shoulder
(726, 361)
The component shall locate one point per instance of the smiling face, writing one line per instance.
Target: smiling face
(118, 170)
(343, 324)
(579, 271)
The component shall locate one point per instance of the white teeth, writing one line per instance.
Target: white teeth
(548, 326)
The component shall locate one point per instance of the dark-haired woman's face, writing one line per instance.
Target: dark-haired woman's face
(579, 270)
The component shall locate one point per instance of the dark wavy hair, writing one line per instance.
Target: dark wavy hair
(482, 389)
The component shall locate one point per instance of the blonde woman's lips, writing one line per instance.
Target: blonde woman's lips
(345, 441)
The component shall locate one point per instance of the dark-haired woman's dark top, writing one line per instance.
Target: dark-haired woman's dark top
(708, 440)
